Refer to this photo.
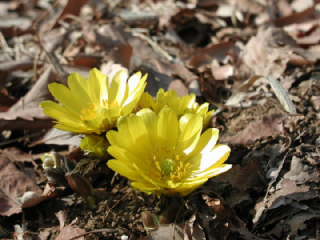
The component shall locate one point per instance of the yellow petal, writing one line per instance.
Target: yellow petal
(95, 81)
(146, 187)
(212, 172)
(146, 101)
(207, 118)
(203, 109)
(79, 86)
(190, 134)
(66, 97)
(73, 128)
(124, 169)
(125, 156)
(151, 121)
(56, 111)
(118, 87)
(134, 81)
(206, 142)
(214, 158)
(132, 133)
(144, 175)
(187, 187)
(135, 94)
(186, 103)
(183, 121)
(128, 108)
(102, 82)
(167, 128)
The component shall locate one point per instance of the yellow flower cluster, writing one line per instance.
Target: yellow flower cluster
(164, 148)
(92, 106)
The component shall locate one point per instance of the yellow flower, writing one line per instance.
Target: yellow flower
(95, 146)
(181, 105)
(164, 154)
(92, 106)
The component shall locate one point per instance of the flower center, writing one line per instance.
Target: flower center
(97, 111)
(166, 164)
(89, 113)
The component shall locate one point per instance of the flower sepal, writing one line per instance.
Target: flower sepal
(82, 186)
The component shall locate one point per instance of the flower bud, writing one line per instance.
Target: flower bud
(50, 160)
(82, 186)
(95, 146)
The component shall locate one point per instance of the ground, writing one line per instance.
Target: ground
(255, 62)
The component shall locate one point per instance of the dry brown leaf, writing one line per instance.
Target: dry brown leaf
(62, 216)
(299, 175)
(242, 177)
(176, 232)
(59, 137)
(24, 63)
(6, 99)
(312, 39)
(286, 191)
(71, 231)
(203, 57)
(17, 190)
(26, 113)
(261, 56)
(114, 41)
(284, 7)
(16, 155)
(223, 72)
(84, 59)
(285, 205)
(315, 100)
(72, 7)
(156, 80)
(32, 118)
(179, 87)
(224, 219)
(38, 93)
(308, 14)
(146, 57)
(282, 95)
(265, 127)
(297, 222)
(15, 26)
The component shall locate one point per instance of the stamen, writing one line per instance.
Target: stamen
(167, 165)
(89, 113)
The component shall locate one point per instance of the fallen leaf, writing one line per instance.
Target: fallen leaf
(260, 56)
(298, 174)
(315, 100)
(179, 87)
(176, 232)
(17, 190)
(303, 16)
(202, 57)
(62, 216)
(38, 92)
(59, 137)
(242, 177)
(265, 127)
(71, 231)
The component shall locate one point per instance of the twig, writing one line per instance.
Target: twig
(110, 209)
(20, 138)
(154, 45)
(34, 25)
(61, 74)
(5, 46)
(94, 231)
